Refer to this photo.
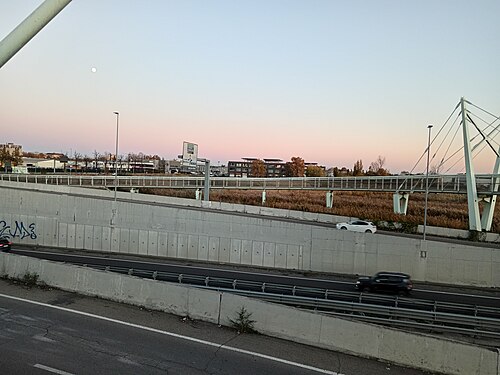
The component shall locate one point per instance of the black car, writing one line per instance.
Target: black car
(5, 244)
(390, 282)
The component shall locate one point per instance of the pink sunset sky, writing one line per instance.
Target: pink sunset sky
(329, 81)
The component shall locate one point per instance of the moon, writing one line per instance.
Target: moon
(93, 69)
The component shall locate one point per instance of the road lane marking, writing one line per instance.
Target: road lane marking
(171, 334)
(53, 370)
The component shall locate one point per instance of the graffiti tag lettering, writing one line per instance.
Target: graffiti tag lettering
(19, 229)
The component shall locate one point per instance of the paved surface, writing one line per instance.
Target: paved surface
(89, 345)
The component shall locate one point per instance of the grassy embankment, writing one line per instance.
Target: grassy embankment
(444, 210)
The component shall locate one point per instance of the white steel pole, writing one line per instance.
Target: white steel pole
(427, 179)
(206, 192)
(27, 29)
(116, 154)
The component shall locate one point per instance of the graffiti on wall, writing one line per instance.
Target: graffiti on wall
(18, 229)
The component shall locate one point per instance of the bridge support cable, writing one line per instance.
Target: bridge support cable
(400, 200)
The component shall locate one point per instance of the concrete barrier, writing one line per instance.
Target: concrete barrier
(391, 345)
(78, 218)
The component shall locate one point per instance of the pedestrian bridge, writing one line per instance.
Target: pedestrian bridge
(451, 184)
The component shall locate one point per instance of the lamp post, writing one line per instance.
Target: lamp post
(429, 127)
(113, 209)
(116, 153)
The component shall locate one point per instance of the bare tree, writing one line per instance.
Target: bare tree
(77, 156)
(97, 156)
(377, 167)
(106, 158)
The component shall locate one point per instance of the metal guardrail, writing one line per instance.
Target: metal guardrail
(434, 316)
(391, 316)
(485, 183)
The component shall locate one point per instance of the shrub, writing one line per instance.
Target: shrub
(30, 279)
(243, 323)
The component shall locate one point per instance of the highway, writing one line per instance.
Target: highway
(47, 331)
(448, 294)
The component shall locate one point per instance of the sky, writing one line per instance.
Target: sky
(329, 81)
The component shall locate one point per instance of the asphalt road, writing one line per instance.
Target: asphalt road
(46, 331)
(449, 294)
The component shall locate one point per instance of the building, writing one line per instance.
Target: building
(12, 149)
(10, 155)
(274, 167)
(243, 168)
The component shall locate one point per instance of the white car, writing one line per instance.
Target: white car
(358, 226)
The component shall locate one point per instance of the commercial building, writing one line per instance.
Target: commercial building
(274, 167)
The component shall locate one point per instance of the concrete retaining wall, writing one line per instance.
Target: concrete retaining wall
(391, 345)
(77, 218)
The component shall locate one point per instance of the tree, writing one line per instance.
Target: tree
(87, 159)
(106, 158)
(97, 156)
(258, 168)
(295, 167)
(377, 167)
(434, 169)
(8, 159)
(77, 157)
(315, 171)
(358, 168)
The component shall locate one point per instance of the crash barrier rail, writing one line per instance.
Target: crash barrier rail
(434, 316)
(485, 183)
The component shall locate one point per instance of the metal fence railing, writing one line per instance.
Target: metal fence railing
(486, 184)
(405, 312)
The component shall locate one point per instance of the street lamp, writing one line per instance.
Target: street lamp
(427, 178)
(116, 153)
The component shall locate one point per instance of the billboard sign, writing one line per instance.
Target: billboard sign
(189, 154)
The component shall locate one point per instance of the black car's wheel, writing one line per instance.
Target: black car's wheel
(366, 289)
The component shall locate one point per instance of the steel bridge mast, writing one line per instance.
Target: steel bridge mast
(476, 221)
(472, 198)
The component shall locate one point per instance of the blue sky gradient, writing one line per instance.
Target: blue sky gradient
(329, 81)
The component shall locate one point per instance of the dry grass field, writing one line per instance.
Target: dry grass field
(444, 210)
